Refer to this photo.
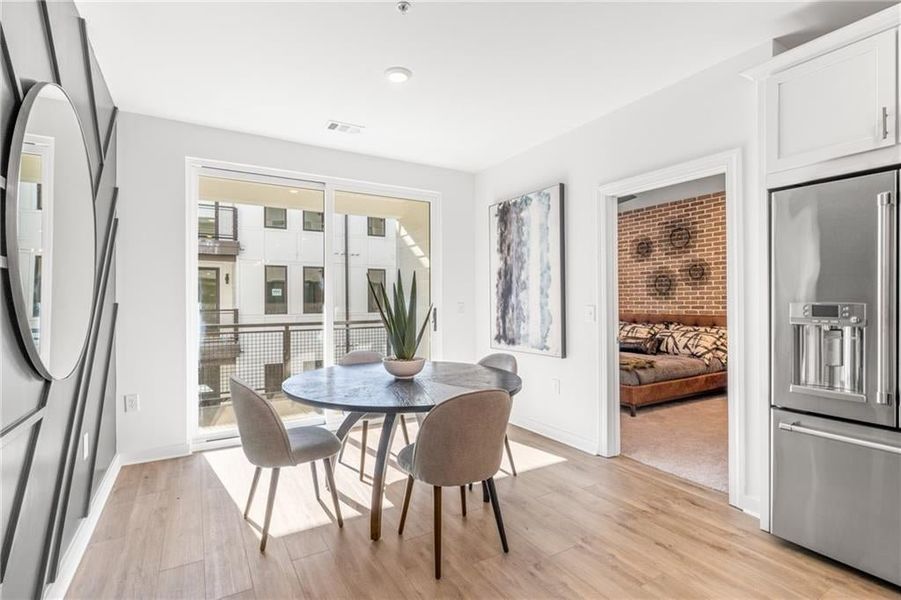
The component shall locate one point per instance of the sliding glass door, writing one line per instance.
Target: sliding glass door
(260, 312)
(282, 273)
(376, 239)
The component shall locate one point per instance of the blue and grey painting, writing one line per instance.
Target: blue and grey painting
(523, 272)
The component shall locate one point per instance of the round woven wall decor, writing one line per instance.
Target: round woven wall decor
(644, 247)
(663, 284)
(679, 237)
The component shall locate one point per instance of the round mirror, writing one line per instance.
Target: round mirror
(50, 230)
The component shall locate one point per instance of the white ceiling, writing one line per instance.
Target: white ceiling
(490, 79)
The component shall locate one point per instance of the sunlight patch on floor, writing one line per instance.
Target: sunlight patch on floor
(296, 507)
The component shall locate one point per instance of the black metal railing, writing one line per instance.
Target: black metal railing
(265, 354)
(217, 222)
(219, 316)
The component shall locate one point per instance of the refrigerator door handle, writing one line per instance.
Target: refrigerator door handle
(885, 285)
(798, 428)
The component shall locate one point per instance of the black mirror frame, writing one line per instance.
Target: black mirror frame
(10, 212)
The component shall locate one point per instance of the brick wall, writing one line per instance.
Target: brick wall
(643, 276)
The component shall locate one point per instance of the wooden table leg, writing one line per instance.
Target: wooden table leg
(349, 421)
(378, 476)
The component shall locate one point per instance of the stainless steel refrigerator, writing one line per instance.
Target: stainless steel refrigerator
(836, 442)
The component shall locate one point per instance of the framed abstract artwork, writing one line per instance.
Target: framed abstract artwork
(526, 239)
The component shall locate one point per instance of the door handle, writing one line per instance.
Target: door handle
(434, 319)
(885, 285)
(885, 122)
(796, 427)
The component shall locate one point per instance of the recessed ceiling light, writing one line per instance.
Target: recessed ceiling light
(398, 74)
(294, 191)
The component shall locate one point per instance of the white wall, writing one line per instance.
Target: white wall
(706, 114)
(151, 256)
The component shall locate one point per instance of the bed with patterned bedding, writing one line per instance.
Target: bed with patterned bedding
(666, 357)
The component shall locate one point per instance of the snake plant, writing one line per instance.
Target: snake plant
(400, 319)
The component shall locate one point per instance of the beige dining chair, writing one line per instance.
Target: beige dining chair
(361, 357)
(460, 441)
(268, 444)
(504, 362)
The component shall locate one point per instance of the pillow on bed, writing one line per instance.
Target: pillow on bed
(642, 345)
(715, 329)
(692, 342)
(638, 330)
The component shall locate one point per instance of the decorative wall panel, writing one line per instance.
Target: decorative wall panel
(48, 475)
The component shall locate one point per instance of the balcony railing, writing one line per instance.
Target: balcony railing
(265, 354)
(217, 222)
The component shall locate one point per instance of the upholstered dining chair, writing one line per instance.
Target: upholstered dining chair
(268, 444)
(460, 441)
(360, 357)
(504, 362)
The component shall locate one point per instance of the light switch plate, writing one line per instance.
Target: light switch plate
(132, 403)
(590, 313)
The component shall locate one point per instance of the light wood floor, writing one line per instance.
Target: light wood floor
(579, 526)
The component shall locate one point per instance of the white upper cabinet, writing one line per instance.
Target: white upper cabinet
(837, 104)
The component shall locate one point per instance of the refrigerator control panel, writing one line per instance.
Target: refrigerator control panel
(838, 314)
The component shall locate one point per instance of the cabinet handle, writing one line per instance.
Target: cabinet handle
(884, 122)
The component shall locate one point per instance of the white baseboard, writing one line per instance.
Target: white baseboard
(162, 453)
(558, 435)
(69, 562)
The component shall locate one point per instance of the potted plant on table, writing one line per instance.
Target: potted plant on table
(399, 320)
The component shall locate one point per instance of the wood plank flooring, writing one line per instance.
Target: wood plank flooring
(578, 526)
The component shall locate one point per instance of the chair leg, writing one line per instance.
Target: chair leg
(363, 448)
(330, 476)
(315, 478)
(495, 504)
(436, 492)
(463, 499)
(253, 489)
(510, 455)
(273, 485)
(403, 511)
(485, 496)
(403, 430)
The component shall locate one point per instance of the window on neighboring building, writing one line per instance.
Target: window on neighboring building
(313, 294)
(275, 218)
(376, 276)
(276, 290)
(375, 226)
(313, 221)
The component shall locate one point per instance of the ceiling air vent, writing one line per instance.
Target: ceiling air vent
(341, 127)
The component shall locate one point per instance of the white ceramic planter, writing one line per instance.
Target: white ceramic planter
(403, 369)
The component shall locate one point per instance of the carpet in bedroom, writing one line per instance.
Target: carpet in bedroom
(687, 438)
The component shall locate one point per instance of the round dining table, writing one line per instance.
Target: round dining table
(367, 388)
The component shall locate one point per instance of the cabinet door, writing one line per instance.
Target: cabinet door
(834, 105)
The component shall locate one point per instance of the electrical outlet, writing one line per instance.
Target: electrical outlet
(132, 403)
(555, 383)
(461, 307)
(86, 446)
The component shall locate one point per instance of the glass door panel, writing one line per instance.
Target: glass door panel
(376, 237)
(259, 317)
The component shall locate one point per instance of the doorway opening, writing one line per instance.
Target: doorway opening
(739, 415)
(672, 330)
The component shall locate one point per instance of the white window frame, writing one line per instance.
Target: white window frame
(195, 167)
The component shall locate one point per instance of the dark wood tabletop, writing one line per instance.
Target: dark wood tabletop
(369, 388)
